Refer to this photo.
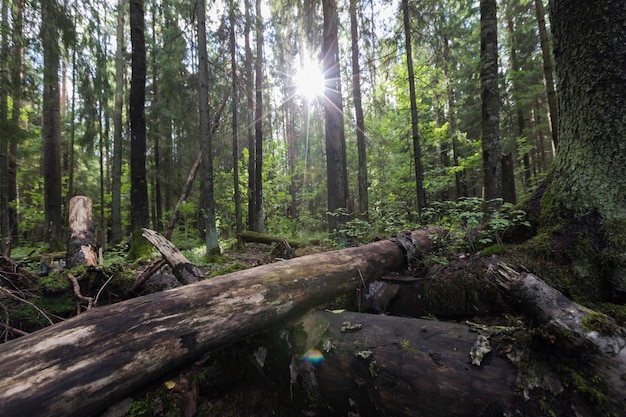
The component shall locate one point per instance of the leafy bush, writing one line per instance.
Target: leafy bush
(473, 223)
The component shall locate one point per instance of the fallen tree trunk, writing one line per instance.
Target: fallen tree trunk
(250, 236)
(82, 365)
(184, 271)
(375, 365)
(589, 344)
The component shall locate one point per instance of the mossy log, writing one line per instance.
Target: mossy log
(376, 365)
(589, 348)
(81, 366)
(249, 236)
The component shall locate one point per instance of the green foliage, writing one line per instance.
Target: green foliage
(472, 223)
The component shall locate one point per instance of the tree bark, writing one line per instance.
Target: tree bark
(584, 197)
(492, 166)
(79, 367)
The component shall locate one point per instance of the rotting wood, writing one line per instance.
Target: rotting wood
(595, 339)
(372, 365)
(82, 365)
(184, 271)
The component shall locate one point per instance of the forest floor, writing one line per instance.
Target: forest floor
(231, 382)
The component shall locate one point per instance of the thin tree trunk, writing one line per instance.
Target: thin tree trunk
(212, 244)
(51, 148)
(358, 111)
(156, 127)
(250, 117)
(18, 46)
(336, 165)
(258, 125)
(5, 228)
(235, 113)
(116, 186)
(291, 143)
(417, 148)
(492, 165)
(461, 189)
(508, 178)
(547, 71)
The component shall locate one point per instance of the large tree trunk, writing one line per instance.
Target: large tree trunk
(82, 365)
(583, 206)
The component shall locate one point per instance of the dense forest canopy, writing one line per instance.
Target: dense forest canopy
(79, 143)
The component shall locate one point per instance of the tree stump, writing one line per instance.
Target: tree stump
(81, 248)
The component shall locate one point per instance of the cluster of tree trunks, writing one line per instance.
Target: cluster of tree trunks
(373, 365)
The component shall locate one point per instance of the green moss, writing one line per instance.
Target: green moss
(140, 249)
(55, 283)
(213, 257)
(497, 249)
(406, 347)
(373, 368)
(590, 386)
(600, 323)
(616, 311)
(613, 256)
(234, 267)
(160, 402)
